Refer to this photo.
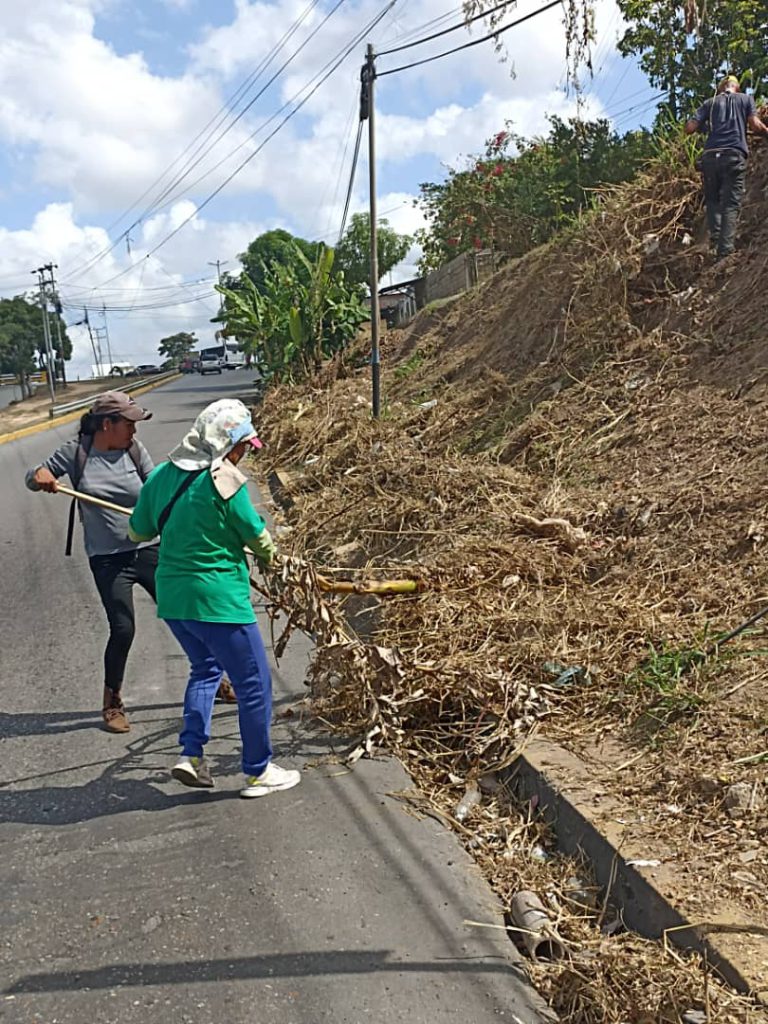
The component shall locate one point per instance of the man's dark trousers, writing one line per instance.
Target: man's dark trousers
(724, 172)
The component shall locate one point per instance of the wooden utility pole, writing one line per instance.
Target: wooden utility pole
(368, 76)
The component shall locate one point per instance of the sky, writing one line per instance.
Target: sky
(119, 119)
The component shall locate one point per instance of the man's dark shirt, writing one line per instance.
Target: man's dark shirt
(725, 120)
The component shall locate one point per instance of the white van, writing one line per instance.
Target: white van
(229, 355)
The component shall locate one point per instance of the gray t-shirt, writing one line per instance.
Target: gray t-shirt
(724, 118)
(110, 475)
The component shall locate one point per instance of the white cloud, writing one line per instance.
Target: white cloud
(95, 127)
(135, 329)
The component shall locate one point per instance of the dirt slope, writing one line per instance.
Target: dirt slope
(572, 460)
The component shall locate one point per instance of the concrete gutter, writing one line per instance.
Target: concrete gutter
(565, 793)
(51, 420)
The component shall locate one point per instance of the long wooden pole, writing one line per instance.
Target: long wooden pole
(326, 585)
(93, 501)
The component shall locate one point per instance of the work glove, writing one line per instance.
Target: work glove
(263, 548)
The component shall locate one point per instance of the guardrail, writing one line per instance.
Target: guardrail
(84, 403)
(7, 379)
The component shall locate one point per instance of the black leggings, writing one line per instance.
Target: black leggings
(115, 576)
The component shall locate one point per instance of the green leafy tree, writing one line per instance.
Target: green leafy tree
(353, 251)
(520, 191)
(277, 246)
(301, 314)
(22, 344)
(176, 346)
(684, 49)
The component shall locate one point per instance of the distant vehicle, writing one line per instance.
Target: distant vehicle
(147, 369)
(231, 355)
(190, 363)
(210, 361)
(117, 370)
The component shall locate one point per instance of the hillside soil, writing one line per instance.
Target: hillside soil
(571, 463)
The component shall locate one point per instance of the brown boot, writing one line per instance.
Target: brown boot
(113, 713)
(226, 693)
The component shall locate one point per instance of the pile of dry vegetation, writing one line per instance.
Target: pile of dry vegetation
(571, 461)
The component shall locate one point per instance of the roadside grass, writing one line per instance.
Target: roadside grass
(672, 683)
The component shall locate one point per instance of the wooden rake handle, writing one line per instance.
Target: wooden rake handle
(327, 585)
(93, 501)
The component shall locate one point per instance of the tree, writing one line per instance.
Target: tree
(520, 191)
(353, 251)
(22, 342)
(277, 246)
(175, 347)
(302, 313)
(684, 49)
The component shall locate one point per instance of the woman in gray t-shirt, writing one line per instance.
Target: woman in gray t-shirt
(106, 461)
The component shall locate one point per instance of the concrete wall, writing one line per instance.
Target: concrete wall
(462, 273)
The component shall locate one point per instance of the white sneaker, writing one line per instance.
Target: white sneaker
(193, 771)
(271, 780)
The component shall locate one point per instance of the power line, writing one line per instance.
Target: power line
(167, 191)
(446, 31)
(346, 136)
(213, 124)
(428, 24)
(351, 184)
(331, 66)
(101, 307)
(473, 42)
(274, 116)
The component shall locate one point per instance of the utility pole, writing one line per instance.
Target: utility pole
(50, 372)
(100, 334)
(98, 368)
(367, 112)
(57, 312)
(106, 335)
(219, 264)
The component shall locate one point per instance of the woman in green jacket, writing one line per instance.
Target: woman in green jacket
(199, 505)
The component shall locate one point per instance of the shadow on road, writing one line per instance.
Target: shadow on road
(279, 965)
(129, 782)
(36, 724)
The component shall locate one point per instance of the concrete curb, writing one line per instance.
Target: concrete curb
(565, 794)
(70, 417)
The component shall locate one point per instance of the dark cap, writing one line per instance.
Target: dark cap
(117, 403)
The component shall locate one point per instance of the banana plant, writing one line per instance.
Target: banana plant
(302, 314)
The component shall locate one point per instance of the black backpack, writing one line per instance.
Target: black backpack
(81, 457)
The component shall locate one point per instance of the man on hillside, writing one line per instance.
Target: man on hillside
(724, 162)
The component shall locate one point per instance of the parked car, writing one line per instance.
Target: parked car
(211, 363)
(147, 369)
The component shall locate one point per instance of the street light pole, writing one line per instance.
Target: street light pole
(367, 107)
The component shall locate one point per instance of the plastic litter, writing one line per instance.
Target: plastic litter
(471, 798)
(537, 933)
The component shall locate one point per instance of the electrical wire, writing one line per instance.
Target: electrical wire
(427, 25)
(351, 184)
(213, 125)
(245, 109)
(473, 42)
(346, 136)
(446, 31)
(331, 66)
(105, 307)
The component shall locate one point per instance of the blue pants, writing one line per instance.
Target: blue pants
(214, 648)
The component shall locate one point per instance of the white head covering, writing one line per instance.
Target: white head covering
(216, 431)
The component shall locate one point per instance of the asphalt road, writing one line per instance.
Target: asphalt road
(125, 898)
